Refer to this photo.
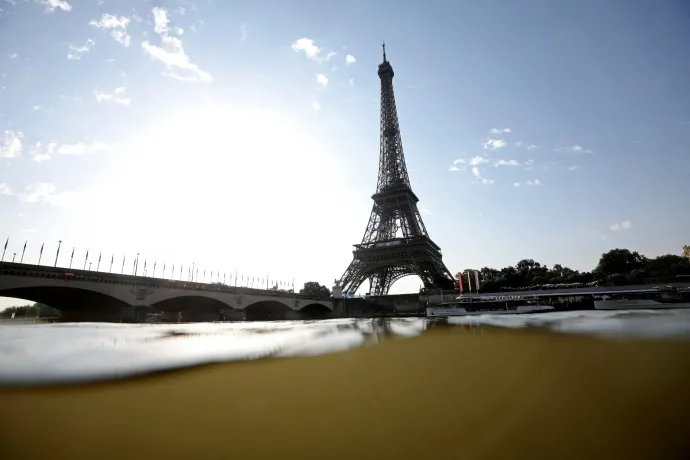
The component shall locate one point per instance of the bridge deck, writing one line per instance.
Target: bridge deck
(42, 271)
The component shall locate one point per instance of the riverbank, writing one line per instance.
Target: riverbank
(448, 394)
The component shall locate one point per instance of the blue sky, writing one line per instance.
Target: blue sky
(244, 135)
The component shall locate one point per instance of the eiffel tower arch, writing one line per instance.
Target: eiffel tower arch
(396, 243)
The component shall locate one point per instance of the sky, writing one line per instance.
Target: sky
(244, 136)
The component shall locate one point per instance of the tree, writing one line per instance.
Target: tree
(619, 261)
(30, 311)
(314, 289)
(686, 252)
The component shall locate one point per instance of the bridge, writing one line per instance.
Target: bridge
(83, 295)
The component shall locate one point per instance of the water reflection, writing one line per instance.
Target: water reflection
(77, 352)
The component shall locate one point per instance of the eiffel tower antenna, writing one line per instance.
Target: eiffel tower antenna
(396, 243)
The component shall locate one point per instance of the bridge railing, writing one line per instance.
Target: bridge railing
(98, 277)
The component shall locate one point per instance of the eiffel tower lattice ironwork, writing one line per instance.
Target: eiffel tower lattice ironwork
(396, 243)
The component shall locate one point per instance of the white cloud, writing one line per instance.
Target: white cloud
(454, 168)
(459, 161)
(160, 21)
(42, 152)
(13, 55)
(180, 10)
(81, 148)
(116, 25)
(37, 193)
(493, 144)
(529, 165)
(574, 149)
(12, 144)
(330, 55)
(322, 80)
(39, 108)
(499, 131)
(316, 106)
(518, 143)
(350, 59)
(45, 192)
(573, 168)
(478, 160)
(625, 225)
(307, 45)
(118, 96)
(352, 82)
(52, 5)
(507, 163)
(171, 52)
(5, 189)
(532, 147)
(76, 51)
(516, 184)
(480, 179)
(426, 211)
(534, 182)
(244, 32)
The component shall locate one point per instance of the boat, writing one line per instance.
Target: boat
(656, 298)
(489, 305)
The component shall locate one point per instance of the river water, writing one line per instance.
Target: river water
(62, 353)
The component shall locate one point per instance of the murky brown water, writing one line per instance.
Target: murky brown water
(435, 392)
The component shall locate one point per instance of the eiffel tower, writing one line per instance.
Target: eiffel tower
(395, 243)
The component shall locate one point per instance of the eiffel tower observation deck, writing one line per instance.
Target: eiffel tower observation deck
(396, 243)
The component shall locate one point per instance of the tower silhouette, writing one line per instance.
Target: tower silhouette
(396, 243)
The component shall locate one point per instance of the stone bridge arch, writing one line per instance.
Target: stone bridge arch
(316, 310)
(75, 303)
(269, 310)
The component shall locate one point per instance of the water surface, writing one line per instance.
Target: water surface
(40, 354)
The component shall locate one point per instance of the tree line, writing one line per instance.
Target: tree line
(37, 310)
(615, 267)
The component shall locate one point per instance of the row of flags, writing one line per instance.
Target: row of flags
(468, 276)
(192, 272)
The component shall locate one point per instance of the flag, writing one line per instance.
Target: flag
(469, 280)
(87, 254)
(476, 280)
(460, 281)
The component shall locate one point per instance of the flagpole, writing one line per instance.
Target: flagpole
(71, 258)
(123, 265)
(57, 253)
(21, 261)
(112, 259)
(99, 260)
(5, 249)
(86, 258)
(40, 254)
